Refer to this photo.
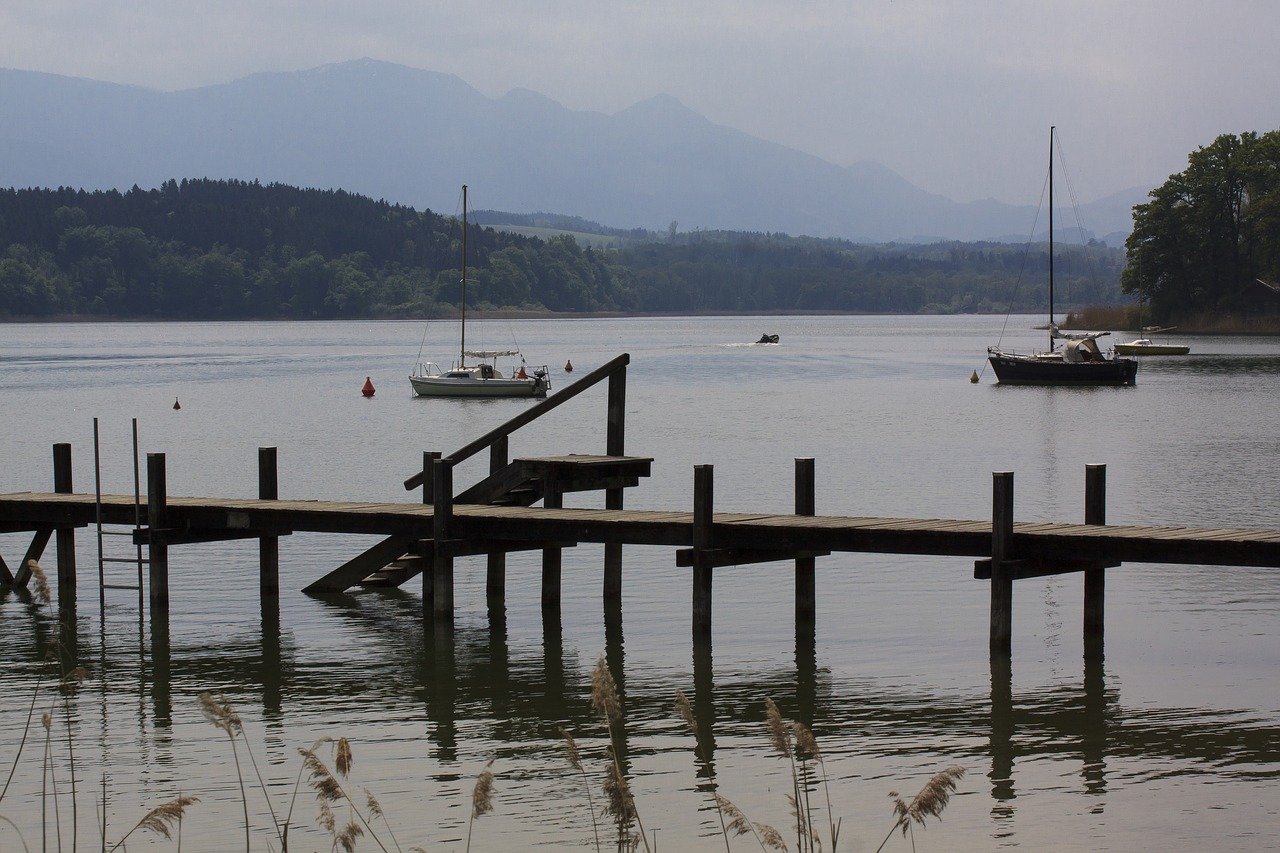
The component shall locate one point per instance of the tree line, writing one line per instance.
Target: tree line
(225, 249)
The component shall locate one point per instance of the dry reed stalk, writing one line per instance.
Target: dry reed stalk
(575, 761)
(780, 738)
(605, 702)
(604, 694)
(809, 745)
(766, 836)
(46, 779)
(26, 729)
(481, 798)
(71, 682)
(41, 581)
(330, 790)
(930, 802)
(160, 819)
(685, 710)
(219, 712)
(779, 735)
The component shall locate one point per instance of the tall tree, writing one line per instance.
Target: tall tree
(1209, 230)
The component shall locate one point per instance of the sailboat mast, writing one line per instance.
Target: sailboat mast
(462, 355)
(1051, 239)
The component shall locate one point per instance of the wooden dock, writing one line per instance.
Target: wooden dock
(497, 516)
(204, 519)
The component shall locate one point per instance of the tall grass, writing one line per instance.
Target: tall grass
(353, 817)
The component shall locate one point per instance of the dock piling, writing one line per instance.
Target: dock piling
(442, 516)
(703, 502)
(496, 566)
(1001, 633)
(65, 537)
(268, 546)
(1095, 579)
(806, 587)
(158, 549)
(615, 445)
(553, 556)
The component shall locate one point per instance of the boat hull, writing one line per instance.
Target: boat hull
(1152, 349)
(1038, 370)
(447, 386)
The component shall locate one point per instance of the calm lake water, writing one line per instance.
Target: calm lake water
(1171, 743)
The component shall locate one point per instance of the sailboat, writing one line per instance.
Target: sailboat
(1078, 361)
(1146, 346)
(480, 378)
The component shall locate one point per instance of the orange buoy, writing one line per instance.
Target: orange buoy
(568, 367)
(176, 404)
(367, 390)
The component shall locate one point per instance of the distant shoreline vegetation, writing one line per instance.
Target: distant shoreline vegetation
(233, 250)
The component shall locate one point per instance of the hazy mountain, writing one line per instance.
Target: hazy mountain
(413, 137)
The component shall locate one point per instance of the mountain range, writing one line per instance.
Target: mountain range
(412, 137)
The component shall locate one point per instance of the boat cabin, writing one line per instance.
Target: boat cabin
(1082, 351)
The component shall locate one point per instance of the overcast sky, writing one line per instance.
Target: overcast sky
(957, 96)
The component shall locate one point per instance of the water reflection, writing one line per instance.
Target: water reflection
(462, 677)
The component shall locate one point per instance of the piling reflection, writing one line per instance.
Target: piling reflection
(1093, 729)
(462, 677)
(160, 673)
(441, 686)
(704, 708)
(1000, 743)
(271, 661)
(806, 672)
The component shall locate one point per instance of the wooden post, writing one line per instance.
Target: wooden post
(703, 501)
(65, 537)
(428, 460)
(158, 552)
(1095, 580)
(268, 546)
(442, 513)
(496, 574)
(552, 558)
(1001, 553)
(806, 588)
(615, 445)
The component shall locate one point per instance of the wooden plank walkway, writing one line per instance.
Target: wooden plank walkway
(954, 537)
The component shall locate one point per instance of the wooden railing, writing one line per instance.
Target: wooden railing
(495, 440)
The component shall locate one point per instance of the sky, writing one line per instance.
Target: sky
(957, 96)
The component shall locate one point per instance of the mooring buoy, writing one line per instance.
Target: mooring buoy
(568, 367)
(176, 404)
(367, 390)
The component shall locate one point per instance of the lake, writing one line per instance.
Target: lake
(1170, 743)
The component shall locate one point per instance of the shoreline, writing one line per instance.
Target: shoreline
(1078, 320)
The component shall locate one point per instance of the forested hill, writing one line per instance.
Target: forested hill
(206, 249)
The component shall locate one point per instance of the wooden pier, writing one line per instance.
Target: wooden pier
(498, 515)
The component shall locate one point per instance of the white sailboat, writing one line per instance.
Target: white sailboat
(480, 378)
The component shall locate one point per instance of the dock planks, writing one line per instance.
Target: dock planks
(954, 537)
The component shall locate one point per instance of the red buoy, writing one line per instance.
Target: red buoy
(367, 390)
(568, 367)
(176, 405)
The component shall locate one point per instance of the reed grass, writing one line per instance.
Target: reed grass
(351, 821)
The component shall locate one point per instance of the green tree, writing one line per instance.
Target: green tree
(1209, 230)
